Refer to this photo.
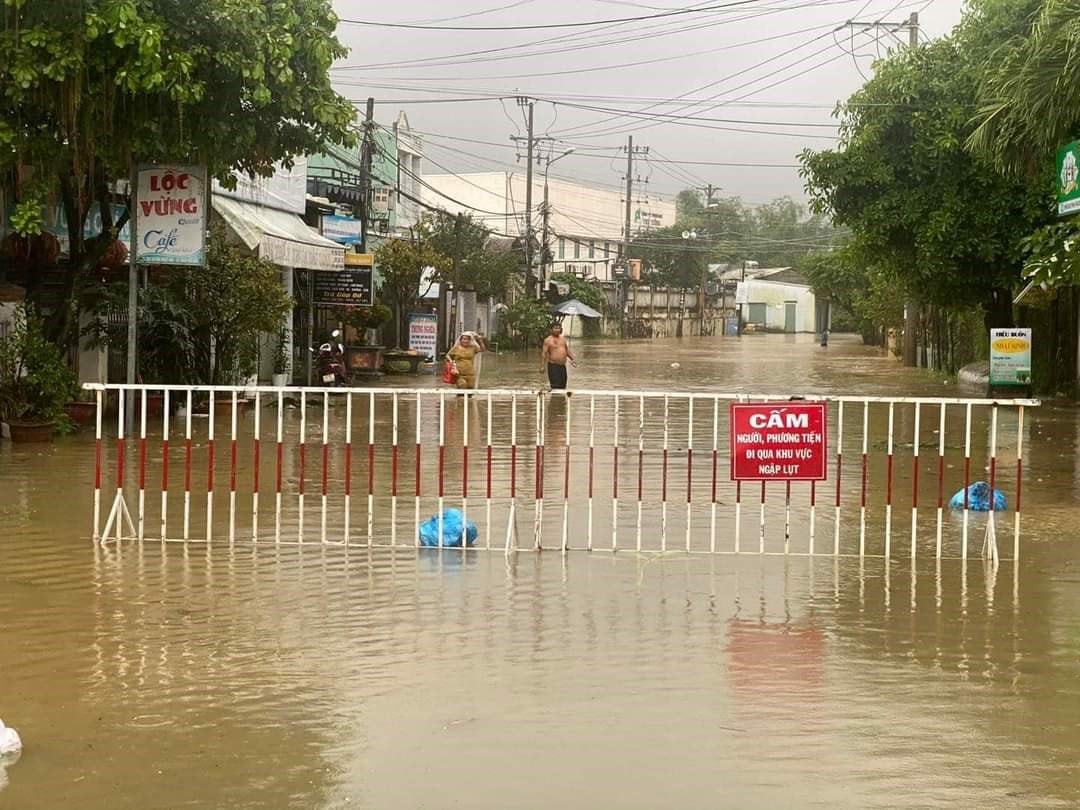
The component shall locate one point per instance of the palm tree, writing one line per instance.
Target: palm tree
(1030, 101)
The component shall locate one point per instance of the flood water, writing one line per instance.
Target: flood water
(282, 676)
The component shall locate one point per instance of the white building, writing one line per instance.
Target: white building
(585, 223)
(410, 169)
(777, 299)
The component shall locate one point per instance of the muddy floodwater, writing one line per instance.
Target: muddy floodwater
(277, 676)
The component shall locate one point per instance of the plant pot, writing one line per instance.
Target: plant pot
(83, 414)
(367, 360)
(26, 432)
(280, 380)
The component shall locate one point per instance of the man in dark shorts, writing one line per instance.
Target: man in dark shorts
(553, 357)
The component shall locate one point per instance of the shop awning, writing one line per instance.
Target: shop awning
(278, 236)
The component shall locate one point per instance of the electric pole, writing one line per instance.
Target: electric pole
(526, 103)
(911, 306)
(366, 151)
(631, 152)
(708, 190)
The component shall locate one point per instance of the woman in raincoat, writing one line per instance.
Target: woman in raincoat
(464, 356)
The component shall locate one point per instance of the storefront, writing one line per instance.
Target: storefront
(266, 216)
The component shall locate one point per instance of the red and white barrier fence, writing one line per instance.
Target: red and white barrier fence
(782, 449)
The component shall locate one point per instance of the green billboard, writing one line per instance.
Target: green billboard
(1068, 179)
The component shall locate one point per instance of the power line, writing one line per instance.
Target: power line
(746, 84)
(598, 68)
(648, 32)
(580, 154)
(683, 120)
(544, 26)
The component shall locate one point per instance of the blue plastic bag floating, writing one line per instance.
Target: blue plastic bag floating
(454, 530)
(979, 498)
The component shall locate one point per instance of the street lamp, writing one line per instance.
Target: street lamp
(544, 238)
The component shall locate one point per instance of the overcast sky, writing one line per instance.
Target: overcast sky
(753, 65)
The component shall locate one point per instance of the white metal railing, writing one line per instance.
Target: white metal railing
(496, 453)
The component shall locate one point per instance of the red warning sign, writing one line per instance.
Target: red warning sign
(779, 441)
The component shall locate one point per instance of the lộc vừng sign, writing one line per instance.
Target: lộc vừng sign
(170, 215)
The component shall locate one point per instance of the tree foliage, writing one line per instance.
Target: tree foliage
(402, 265)
(198, 325)
(726, 231)
(477, 261)
(587, 292)
(863, 295)
(1029, 96)
(529, 319)
(940, 221)
(88, 88)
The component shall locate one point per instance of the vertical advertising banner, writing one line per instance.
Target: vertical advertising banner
(779, 441)
(1068, 179)
(1010, 357)
(171, 215)
(423, 333)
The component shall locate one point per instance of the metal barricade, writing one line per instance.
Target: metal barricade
(642, 471)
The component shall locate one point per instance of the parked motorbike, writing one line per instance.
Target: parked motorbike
(330, 361)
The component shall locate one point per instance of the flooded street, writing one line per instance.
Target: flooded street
(252, 676)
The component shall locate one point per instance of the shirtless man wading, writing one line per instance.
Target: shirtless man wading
(553, 357)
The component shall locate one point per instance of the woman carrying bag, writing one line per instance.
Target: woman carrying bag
(462, 359)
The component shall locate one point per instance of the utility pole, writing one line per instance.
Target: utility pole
(366, 151)
(530, 145)
(911, 306)
(455, 302)
(709, 190)
(631, 151)
(545, 213)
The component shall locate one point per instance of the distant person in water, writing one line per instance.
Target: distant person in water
(824, 338)
(553, 357)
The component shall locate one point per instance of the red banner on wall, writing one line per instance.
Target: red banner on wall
(779, 441)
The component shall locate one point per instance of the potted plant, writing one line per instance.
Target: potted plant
(281, 360)
(362, 357)
(35, 382)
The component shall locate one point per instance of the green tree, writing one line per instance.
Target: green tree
(477, 260)
(402, 265)
(529, 319)
(587, 292)
(88, 87)
(1029, 95)
(941, 222)
(861, 294)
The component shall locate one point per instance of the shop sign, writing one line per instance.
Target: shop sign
(423, 333)
(1010, 357)
(351, 287)
(1068, 179)
(170, 215)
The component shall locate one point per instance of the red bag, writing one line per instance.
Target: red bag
(450, 373)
